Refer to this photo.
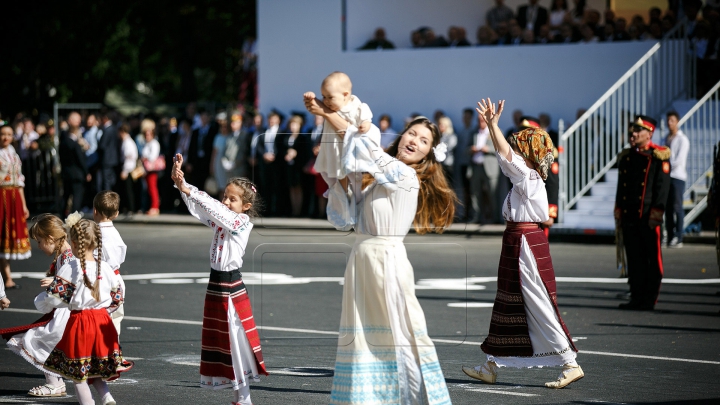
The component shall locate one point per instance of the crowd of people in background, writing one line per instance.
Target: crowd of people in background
(564, 23)
(132, 155)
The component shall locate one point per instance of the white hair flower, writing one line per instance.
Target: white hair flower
(440, 152)
(73, 219)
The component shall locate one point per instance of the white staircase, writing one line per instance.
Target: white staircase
(595, 209)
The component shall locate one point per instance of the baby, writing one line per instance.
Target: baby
(337, 96)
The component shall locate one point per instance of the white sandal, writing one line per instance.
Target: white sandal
(48, 390)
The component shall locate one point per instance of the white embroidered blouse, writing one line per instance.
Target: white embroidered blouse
(10, 168)
(68, 290)
(387, 206)
(232, 230)
(527, 200)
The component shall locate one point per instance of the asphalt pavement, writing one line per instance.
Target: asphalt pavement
(669, 356)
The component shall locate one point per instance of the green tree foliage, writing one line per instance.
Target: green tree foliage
(75, 51)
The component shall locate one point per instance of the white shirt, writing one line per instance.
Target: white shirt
(24, 141)
(113, 246)
(481, 138)
(679, 149)
(68, 290)
(151, 150)
(232, 230)
(130, 154)
(91, 137)
(451, 141)
(270, 135)
(527, 200)
(387, 207)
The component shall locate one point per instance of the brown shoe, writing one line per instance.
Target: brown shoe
(568, 375)
(485, 373)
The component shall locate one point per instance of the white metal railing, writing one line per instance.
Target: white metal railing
(702, 127)
(663, 75)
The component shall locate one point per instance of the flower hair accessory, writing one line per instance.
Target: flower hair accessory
(253, 189)
(440, 152)
(72, 219)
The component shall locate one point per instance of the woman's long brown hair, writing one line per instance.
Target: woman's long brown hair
(436, 200)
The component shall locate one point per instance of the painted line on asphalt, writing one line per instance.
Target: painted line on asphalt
(491, 391)
(470, 305)
(323, 332)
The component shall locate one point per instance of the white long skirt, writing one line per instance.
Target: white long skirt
(384, 355)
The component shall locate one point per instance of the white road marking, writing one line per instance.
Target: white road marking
(503, 391)
(173, 281)
(639, 356)
(470, 305)
(296, 371)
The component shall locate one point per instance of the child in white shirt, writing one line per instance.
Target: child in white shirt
(337, 95)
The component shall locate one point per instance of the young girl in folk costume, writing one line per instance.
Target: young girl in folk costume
(88, 349)
(14, 241)
(526, 329)
(384, 353)
(36, 341)
(231, 352)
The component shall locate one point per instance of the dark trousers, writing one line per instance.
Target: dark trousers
(76, 189)
(644, 262)
(106, 178)
(674, 213)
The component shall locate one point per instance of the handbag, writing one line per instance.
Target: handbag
(157, 165)
(138, 171)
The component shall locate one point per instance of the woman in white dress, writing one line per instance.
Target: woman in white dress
(526, 329)
(385, 355)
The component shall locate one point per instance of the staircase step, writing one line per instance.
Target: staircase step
(603, 189)
(611, 176)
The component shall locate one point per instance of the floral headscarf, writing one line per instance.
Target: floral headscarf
(535, 145)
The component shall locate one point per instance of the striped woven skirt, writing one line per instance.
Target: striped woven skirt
(526, 329)
(231, 350)
(384, 354)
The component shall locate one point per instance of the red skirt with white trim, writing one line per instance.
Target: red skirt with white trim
(14, 239)
(89, 348)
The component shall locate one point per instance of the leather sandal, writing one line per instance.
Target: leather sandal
(48, 390)
(487, 372)
(568, 375)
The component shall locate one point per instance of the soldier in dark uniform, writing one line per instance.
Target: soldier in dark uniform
(642, 191)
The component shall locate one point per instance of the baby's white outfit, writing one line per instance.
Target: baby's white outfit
(331, 146)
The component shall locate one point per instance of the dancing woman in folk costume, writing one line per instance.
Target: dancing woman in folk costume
(525, 329)
(14, 240)
(385, 355)
(231, 353)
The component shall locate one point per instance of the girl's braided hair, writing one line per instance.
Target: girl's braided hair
(86, 235)
(48, 226)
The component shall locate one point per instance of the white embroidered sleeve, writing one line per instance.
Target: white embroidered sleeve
(209, 210)
(515, 170)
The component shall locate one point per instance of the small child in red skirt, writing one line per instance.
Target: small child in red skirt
(89, 288)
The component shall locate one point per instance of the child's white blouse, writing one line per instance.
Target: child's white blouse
(386, 207)
(355, 112)
(68, 290)
(232, 230)
(527, 200)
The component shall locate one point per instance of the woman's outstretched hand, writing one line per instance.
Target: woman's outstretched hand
(178, 176)
(486, 109)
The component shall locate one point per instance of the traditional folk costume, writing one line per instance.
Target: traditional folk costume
(642, 194)
(327, 162)
(88, 347)
(526, 329)
(35, 342)
(231, 350)
(14, 238)
(114, 249)
(384, 355)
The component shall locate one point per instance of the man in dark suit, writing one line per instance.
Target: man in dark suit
(200, 151)
(266, 168)
(108, 152)
(532, 17)
(73, 162)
